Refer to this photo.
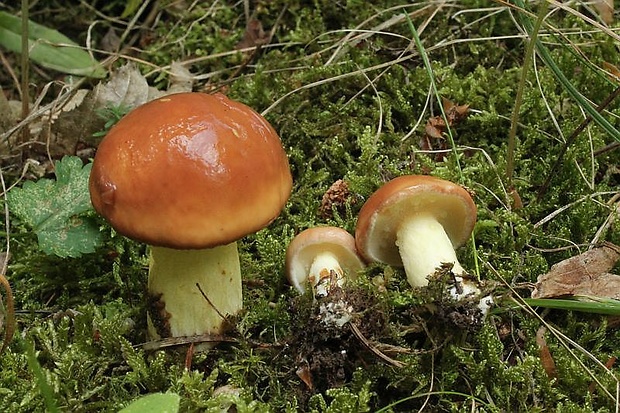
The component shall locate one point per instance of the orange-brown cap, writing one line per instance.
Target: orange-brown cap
(379, 218)
(311, 242)
(190, 171)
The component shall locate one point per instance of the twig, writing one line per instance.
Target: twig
(10, 302)
(607, 148)
(373, 349)
(25, 69)
(179, 341)
(209, 301)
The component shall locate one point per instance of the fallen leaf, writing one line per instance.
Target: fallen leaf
(585, 274)
(303, 372)
(605, 9)
(72, 122)
(181, 79)
(437, 126)
(110, 42)
(545, 355)
(127, 87)
(254, 35)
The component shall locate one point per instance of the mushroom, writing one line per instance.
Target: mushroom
(416, 222)
(190, 174)
(321, 256)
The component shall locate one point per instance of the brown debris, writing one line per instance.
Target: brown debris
(254, 35)
(335, 198)
(156, 309)
(436, 126)
(605, 9)
(7, 320)
(586, 274)
(545, 355)
(304, 373)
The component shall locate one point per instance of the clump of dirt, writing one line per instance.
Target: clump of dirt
(463, 314)
(326, 341)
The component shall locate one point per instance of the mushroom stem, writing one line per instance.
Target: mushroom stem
(325, 266)
(424, 245)
(192, 290)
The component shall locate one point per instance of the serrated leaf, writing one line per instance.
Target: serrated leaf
(49, 48)
(54, 209)
(154, 403)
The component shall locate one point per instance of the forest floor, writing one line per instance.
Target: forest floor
(515, 101)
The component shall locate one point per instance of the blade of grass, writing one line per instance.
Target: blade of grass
(545, 55)
(47, 47)
(429, 71)
(514, 120)
(595, 305)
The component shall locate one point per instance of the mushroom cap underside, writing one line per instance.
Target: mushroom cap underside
(313, 241)
(407, 196)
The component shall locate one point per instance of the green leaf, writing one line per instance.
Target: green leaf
(130, 8)
(49, 48)
(56, 210)
(154, 403)
(587, 304)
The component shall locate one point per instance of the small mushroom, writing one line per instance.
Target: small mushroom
(416, 222)
(190, 174)
(321, 256)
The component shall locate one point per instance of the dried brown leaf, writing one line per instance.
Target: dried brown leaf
(254, 35)
(605, 9)
(127, 87)
(584, 274)
(545, 354)
(181, 79)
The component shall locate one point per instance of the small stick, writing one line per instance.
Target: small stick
(373, 349)
(24, 72)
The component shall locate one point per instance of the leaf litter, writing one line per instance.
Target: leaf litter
(586, 274)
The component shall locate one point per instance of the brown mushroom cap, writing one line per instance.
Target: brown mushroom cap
(311, 242)
(190, 171)
(405, 196)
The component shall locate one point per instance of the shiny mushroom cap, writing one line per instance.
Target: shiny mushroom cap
(403, 197)
(190, 171)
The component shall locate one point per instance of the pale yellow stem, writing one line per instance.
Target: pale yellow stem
(192, 290)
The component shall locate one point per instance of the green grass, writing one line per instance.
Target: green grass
(349, 87)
